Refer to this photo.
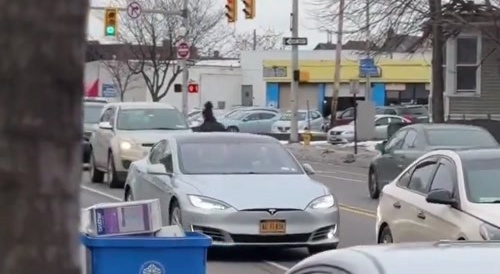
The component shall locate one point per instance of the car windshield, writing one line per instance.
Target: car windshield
(422, 111)
(236, 158)
(301, 116)
(92, 114)
(151, 119)
(460, 137)
(482, 184)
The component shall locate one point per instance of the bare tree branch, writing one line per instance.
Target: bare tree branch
(267, 39)
(121, 74)
(153, 38)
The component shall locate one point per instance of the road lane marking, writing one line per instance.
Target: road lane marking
(347, 208)
(358, 210)
(341, 178)
(95, 191)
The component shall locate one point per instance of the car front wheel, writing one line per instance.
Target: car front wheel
(373, 187)
(111, 178)
(385, 236)
(96, 176)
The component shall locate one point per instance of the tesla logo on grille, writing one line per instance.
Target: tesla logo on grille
(272, 211)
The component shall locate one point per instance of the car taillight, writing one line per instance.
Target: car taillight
(409, 117)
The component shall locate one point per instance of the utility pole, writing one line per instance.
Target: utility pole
(254, 45)
(338, 63)
(185, 72)
(368, 85)
(294, 134)
(437, 88)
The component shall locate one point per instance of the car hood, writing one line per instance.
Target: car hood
(487, 212)
(259, 190)
(343, 128)
(147, 136)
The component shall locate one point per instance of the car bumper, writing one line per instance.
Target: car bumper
(125, 158)
(340, 139)
(86, 151)
(241, 228)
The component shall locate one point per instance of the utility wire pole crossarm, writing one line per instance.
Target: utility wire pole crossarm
(163, 12)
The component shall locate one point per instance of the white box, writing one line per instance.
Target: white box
(125, 218)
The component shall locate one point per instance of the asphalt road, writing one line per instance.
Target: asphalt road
(356, 227)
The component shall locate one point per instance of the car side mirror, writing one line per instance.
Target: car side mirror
(105, 125)
(245, 120)
(441, 196)
(157, 169)
(308, 169)
(381, 146)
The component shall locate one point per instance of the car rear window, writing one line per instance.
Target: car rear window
(414, 111)
(460, 137)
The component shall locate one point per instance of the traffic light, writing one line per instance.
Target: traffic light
(249, 9)
(232, 11)
(110, 21)
(193, 88)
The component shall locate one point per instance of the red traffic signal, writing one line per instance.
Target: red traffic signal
(193, 88)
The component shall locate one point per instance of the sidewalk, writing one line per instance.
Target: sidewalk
(334, 154)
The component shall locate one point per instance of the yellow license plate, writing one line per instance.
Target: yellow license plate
(273, 227)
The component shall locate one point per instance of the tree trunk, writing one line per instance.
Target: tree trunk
(437, 89)
(41, 89)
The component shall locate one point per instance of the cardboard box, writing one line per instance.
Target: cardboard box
(125, 218)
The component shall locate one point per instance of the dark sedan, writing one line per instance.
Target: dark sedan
(413, 141)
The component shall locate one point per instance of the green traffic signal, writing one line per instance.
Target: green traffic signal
(110, 31)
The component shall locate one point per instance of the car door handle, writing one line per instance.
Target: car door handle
(421, 215)
(397, 205)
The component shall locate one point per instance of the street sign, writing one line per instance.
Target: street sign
(183, 51)
(367, 68)
(108, 91)
(296, 41)
(134, 10)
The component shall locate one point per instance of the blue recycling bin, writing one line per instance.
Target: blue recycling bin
(147, 255)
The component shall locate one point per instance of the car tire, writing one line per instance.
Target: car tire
(175, 216)
(373, 186)
(385, 236)
(321, 248)
(233, 129)
(96, 176)
(111, 178)
(129, 197)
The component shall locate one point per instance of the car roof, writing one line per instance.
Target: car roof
(479, 154)
(421, 257)
(428, 126)
(221, 137)
(142, 105)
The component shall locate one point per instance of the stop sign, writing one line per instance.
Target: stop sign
(182, 50)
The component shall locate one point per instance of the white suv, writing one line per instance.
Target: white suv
(126, 133)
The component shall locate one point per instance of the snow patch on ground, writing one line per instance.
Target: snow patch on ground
(368, 145)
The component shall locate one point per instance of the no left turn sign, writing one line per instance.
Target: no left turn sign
(183, 51)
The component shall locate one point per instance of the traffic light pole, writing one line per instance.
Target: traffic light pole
(294, 134)
(185, 72)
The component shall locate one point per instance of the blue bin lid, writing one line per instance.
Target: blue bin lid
(192, 239)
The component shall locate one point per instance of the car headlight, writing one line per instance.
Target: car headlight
(489, 232)
(207, 203)
(128, 145)
(347, 132)
(326, 201)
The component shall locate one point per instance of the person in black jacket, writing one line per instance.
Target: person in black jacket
(209, 121)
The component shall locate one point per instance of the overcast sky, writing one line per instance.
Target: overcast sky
(273, 14)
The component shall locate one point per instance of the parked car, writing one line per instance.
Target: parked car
(238, 109)
(458, 257)
(443, 195)
(253, 121)
(345, 133)
(197, 118)
(415, 113)
(92, 110)
(126, 133)
(413, 141)
(239, 189)
(304, 118)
